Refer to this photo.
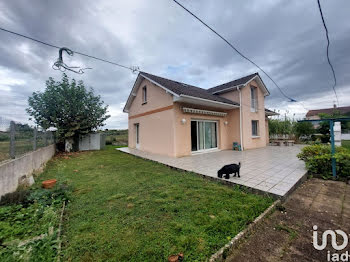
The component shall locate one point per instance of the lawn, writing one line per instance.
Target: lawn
(125, 208)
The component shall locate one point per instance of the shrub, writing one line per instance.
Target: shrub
(110, 140)
(318, 160)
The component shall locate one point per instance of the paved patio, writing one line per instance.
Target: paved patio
(272, 169)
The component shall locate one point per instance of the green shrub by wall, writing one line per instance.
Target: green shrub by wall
(318, 160)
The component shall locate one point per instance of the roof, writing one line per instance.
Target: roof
(341, 110)
(184, 89)
(269, 112)
(237, 82)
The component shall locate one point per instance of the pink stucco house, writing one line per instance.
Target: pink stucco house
(175, 119)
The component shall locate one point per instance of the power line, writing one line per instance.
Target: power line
(328, 43)
(235, 49)
(79, 53)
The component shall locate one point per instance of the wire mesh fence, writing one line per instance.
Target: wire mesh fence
(17, 139)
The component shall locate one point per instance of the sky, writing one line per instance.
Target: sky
(285, 38)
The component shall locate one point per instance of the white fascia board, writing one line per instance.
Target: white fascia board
(226, 89)
(261, 83)
(131, 96)
(136, 86)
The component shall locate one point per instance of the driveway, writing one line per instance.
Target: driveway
(272, 169)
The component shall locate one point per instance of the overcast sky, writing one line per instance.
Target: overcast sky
(286, 38)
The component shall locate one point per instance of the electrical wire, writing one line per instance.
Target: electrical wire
(235, 49)
(328, 44)
(132, 68)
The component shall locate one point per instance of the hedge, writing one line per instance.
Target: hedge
(318, 160)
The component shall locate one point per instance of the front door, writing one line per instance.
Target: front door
(137, 135)
(203, 135)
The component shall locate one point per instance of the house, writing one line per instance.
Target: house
(315, 114)
(342, 131)
(175, 119)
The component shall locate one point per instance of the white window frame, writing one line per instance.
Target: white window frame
(137, 135)
(144, 95)
(217, 136)
(253, 99)
(257, 129)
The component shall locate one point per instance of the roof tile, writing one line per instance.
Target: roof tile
(185, 89)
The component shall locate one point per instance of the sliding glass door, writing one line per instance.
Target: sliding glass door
(203, 135)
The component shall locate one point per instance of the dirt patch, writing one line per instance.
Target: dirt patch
(287, 234)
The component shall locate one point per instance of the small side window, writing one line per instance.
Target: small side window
(255, 128)
(144, 95)
(253, 99)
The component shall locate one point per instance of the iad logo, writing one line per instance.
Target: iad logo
(333, 239)
(334, 242)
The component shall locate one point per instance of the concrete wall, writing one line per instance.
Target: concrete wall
(19, 170)
(93, 141)
(227, 134)
(155, 119)
(345, 136)
(249, 141)
(156, 98)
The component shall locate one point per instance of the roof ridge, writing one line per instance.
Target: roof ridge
(226, 83)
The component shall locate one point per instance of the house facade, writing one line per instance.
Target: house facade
(175, 119)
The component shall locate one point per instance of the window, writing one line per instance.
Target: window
(255, 128)
(254, 99)
(144, 95)
(203, 135)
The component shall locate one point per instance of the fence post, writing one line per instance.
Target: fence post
(12, 139)
(45, 138)
(35, 138)
(334, 169)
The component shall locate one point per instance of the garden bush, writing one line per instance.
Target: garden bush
(318, 160)
(27, 214)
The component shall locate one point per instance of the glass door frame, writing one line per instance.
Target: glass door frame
(217, 135)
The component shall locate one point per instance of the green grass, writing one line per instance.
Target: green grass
(124, 208)
(346, 144)
(21, 147)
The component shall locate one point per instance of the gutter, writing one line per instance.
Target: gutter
(240, 117)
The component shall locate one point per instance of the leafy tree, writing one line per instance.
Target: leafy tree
(303, 129)
(69, 107)
(280, 127)
(324, 130)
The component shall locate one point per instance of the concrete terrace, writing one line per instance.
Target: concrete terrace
(272, 169)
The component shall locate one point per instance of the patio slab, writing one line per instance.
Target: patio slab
(273, 169)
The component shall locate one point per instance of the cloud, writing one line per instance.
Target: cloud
(285, 38)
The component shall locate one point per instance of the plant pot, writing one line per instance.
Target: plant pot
(176, 258)
(49, 183)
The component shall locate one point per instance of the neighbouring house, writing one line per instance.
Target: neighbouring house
(315, 114)
(175, 119)
(339, 133)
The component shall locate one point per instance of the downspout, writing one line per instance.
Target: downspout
(240, 117)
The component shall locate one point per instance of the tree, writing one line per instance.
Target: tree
(303, 129)
(324, 129)
(280, 127)
(345, 125)
(69, 107)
